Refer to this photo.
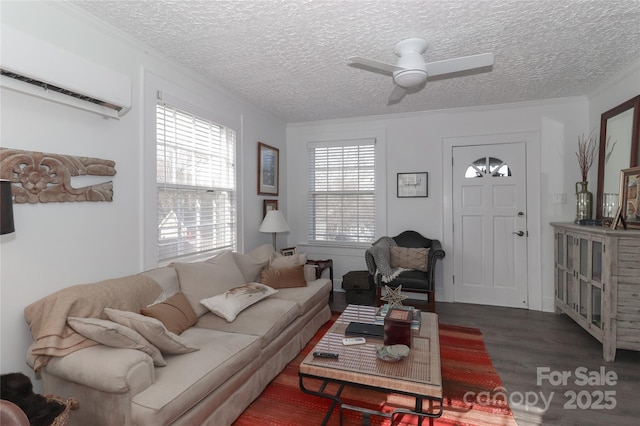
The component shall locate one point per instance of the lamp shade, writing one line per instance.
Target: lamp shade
(6, 208)
(274, 222)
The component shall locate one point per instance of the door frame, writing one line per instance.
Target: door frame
(532, 149)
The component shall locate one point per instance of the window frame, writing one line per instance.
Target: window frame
(188, 143)
(198, 100)
(374, 192)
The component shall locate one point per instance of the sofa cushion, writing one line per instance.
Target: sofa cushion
(284, 277)
(250, 266)
(288, 261)
(167, 278)
(200, 280)
(188, 378)
(266, 319)
(230, 303)
(313, 294)
(265, 251)
(310, 272)
(175, 313)
(153, 330)
(115, 335)
(104, 369)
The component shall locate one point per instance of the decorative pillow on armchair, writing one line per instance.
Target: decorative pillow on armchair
(409, 258)
(229, 304)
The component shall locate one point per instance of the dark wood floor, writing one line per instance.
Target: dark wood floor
(520, 342)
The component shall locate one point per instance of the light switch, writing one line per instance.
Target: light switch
(559, 198)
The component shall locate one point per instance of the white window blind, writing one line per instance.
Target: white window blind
(342, 191)
(196, 184)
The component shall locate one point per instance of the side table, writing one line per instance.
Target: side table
(321, 265)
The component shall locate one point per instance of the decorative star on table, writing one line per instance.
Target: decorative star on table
(393, 296)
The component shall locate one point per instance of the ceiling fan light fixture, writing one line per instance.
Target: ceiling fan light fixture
(409, 78)
(411, 70)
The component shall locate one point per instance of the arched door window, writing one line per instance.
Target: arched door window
(487, 166)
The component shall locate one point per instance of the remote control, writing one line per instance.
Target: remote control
(325, 355)
(347, 341)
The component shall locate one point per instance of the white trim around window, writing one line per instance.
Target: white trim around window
(155, 89)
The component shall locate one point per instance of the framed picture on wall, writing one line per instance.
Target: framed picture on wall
(630, 197)
(413, 185)
(269, 205)
(268, 173)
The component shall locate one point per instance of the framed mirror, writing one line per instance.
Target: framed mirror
(619, 149)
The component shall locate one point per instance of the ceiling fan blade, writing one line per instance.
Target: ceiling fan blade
(396, 95)
(463, 63)
(375, 64)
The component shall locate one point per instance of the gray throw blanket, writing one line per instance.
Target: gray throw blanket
(378, 258)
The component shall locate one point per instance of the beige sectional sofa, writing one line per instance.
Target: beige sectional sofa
(226, 364)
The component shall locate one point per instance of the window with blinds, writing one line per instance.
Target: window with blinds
(196, 184)
(342, 191)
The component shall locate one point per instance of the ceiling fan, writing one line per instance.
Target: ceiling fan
(412, 70)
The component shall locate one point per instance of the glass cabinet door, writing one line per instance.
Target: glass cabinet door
(569, 251)
(560, 249)
(584, 257)
(570, 290)
(584, 298)
(596, 307)
(596, 261)
(561, 290)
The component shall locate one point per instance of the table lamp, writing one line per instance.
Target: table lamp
(274, 222)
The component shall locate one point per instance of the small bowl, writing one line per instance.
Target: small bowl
(392, 353)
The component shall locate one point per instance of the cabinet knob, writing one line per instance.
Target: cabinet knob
(519, 233)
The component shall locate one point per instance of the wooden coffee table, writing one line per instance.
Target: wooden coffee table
(418, 375)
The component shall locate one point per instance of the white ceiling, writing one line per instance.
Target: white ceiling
(291, 57)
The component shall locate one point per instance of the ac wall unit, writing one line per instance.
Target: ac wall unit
(38, 68)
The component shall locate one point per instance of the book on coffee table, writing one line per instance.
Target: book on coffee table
(362, 329)
(381, 313)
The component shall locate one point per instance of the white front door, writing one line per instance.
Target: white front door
(490, 224)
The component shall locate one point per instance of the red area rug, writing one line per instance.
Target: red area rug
(466, 370)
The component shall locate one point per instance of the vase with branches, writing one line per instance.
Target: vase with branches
(586, 154)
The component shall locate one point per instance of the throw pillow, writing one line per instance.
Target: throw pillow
(284, 277)
(153, 330)
(250, 266)
(265, 251)
(310, 272)
(288, 261)
(167, 278)
(234, 301)
(200, 280)
(175, 313)
(115, 335)
(409, 258)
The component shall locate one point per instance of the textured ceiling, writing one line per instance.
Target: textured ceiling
(291, 57)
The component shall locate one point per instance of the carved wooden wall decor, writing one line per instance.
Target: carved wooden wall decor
(40, 177)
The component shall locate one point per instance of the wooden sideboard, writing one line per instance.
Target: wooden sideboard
(597, 283)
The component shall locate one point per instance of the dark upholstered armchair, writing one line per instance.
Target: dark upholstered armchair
(415, 281)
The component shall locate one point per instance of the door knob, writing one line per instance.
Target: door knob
(519, 233)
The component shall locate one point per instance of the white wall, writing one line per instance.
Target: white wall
(60, 244)
(414, 143)
(613, 92)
